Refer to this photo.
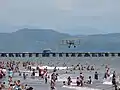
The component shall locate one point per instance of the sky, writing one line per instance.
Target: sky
(68, 16)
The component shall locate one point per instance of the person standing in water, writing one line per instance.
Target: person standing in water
(81, 79)
(46, 79)
(24, 75)
(52, 84)
(10, 72)
(53, 76)
(107, 73)
(78, 81)
(114, 79)
(96, 76)
(89, 80)
(69, 80)
(33, 72)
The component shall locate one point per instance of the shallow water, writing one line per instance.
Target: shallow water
(112, 62)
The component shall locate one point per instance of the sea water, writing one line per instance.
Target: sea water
(99, 63)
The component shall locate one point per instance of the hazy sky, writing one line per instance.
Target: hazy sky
(73, 16)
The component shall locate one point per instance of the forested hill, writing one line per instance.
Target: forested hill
(35, 40)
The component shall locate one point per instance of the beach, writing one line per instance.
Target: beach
(99, 63)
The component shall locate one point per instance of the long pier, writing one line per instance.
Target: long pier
(76, 54)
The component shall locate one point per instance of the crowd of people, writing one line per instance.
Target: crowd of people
(81, 81)
(7, 71)
(9, 68)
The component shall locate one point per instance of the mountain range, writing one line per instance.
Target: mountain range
(36, 40)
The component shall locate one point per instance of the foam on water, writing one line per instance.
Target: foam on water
(108, 83)
(60, 68)
(79, 88)
(51, 68)
(33, 67)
